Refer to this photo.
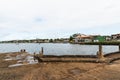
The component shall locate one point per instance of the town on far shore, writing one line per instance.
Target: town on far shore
(75, 38)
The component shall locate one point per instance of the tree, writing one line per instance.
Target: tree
(71, 39)
(51, 40)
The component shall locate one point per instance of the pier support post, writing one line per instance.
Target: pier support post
(41, 52)
(119, 47)
(100, 52)
(34, 55)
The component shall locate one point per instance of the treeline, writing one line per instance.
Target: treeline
(61, 40)
(17, 41)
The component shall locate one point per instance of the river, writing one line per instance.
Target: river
(56, 48)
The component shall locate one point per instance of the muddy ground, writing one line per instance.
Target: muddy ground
(59, 71)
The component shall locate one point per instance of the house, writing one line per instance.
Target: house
(65, 40)
(108, 38)
(46, 40)
(82, 38)
(115, 37)
(99, 38)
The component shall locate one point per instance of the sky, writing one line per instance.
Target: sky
(28, 19)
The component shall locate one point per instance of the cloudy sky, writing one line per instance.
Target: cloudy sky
(27, 19)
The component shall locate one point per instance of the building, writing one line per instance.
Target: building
(116, 37)
(81, 38)
(101, 38)
(108, 38)
(65, 40)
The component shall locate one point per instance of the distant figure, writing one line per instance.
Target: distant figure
(21, 50)
(24, 50)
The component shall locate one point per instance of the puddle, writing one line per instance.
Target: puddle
(76, 71)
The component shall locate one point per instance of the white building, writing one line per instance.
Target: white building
(82, 38)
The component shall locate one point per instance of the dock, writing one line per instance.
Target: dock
(100, 57)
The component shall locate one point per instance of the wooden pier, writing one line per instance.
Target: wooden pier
(98, 58)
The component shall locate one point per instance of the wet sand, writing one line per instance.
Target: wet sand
(59, 70)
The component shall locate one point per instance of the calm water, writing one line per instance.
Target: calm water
(55, 48)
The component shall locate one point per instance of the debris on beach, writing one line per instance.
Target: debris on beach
(15, 65)
(22, 59)
(8, 57)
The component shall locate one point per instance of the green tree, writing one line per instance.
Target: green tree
(51, 40)
(71, 39)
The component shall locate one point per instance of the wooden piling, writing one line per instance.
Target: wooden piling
(100, 52)
(41, 52)
(34, 55)
(100, 49)
(119, 47)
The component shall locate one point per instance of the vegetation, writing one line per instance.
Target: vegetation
(95, 40)
(71, 39)
(51, 40)
(103, 43)
(61, 40)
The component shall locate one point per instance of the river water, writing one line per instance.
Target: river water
(56, 48)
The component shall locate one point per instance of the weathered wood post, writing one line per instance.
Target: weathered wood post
(100, 52)
(41, 52)
(119, 47)
(34, 55)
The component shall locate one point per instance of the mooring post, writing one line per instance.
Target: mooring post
(119, 47)
(100, 54)
(34, 55)
(41, 52)
(100, 49)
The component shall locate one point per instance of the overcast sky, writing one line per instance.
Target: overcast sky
(27, 19)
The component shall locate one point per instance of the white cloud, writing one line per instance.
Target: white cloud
(57, 16)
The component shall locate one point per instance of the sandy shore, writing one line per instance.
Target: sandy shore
(58, 70)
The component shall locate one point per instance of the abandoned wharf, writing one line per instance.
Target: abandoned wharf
(98, 58)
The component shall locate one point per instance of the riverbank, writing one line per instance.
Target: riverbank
(99, 43)
(58, 70)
